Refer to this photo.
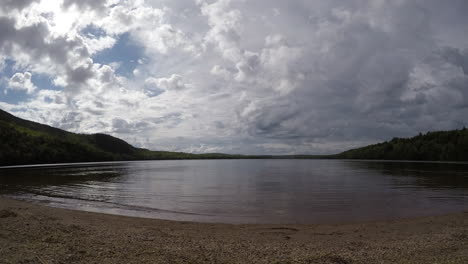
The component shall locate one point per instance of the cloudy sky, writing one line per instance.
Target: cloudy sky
(237, 76)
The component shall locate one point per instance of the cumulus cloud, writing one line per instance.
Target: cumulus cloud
(225, 23)
(173, 83)
(264, 76)
(22, 81)
(37, 49)
(152, 87)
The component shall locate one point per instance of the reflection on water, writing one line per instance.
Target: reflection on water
(430, 175)
(248, 191)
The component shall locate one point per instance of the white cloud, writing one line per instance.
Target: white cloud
(225, 24)
(173, 83)
(22, 82)
(240, 76)
(96, 44)
(218, 70)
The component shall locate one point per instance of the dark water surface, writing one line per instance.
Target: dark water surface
(247, 191)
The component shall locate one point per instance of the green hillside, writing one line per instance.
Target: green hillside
(26, 142)
(433, 146)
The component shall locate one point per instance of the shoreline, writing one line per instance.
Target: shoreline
(32, 233)
(64, 164)
(47, 204)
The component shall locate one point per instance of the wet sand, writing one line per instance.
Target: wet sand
(31, 233)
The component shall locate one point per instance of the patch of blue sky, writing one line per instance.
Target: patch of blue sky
(93, 31)
(8, 69)
(11, 96)
(125, 52)
(43, 81)
(8, 95)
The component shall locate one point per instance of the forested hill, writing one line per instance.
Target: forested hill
(432, 146)
(27, 142)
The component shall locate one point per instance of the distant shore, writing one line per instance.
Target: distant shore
(31, 233)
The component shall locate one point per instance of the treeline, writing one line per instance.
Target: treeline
(26, 142)
(432, 146)
(19, 145)
(23, 146)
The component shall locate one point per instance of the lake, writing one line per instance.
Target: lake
(247, 191)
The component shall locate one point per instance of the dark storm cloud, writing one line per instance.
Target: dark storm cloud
(80, 74)
(97, 5)
(457, 57)
(370, 84)
(15, 4)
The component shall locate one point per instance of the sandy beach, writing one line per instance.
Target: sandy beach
(31, 233)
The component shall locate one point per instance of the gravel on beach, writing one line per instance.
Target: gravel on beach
(31, 233)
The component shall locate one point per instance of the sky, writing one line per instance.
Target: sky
(237, 76)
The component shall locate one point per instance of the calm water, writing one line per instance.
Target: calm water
(248, 191)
